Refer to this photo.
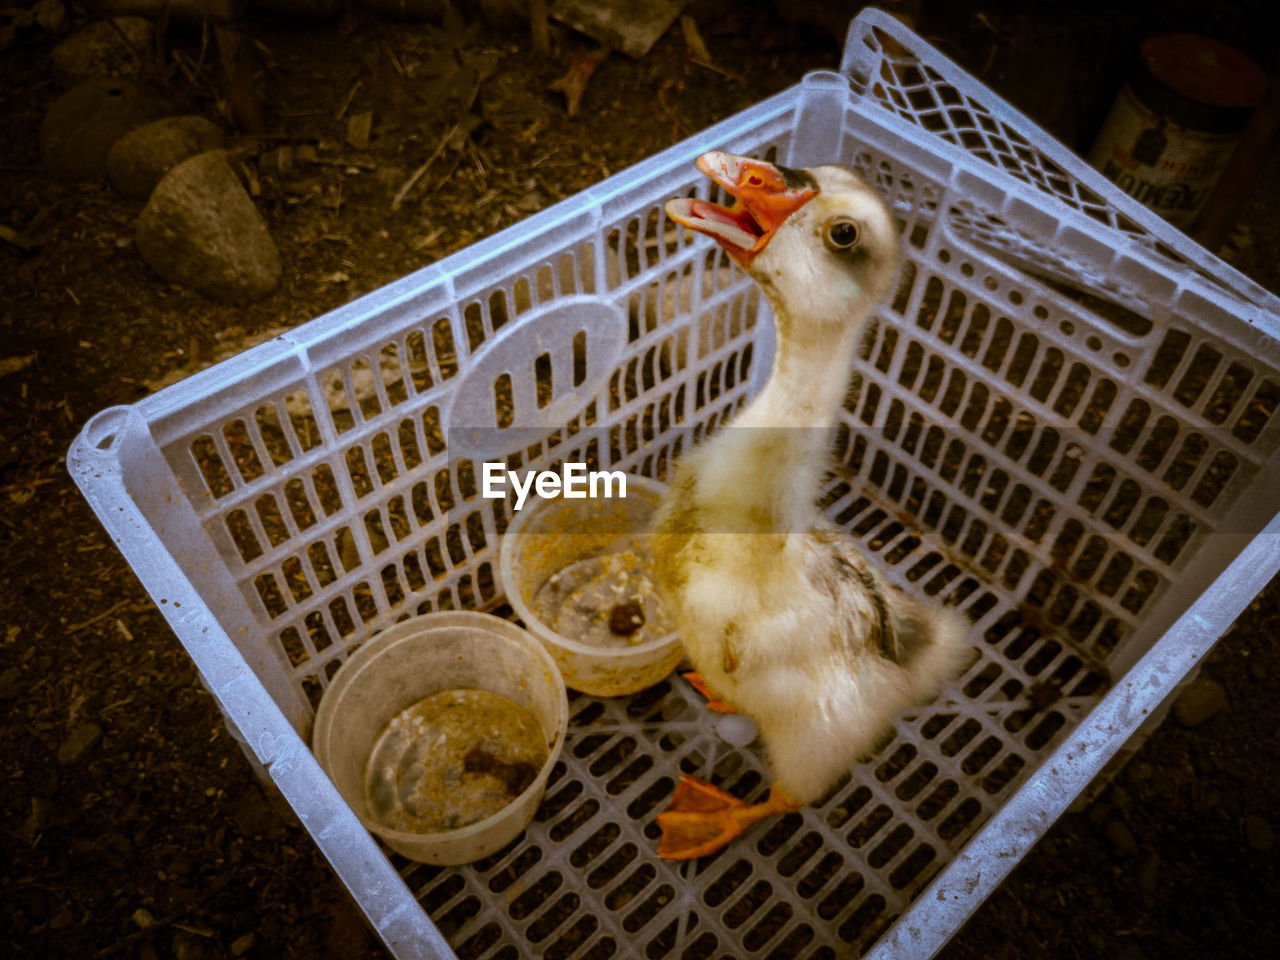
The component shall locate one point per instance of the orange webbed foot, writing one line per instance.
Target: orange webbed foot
(714, 702)
(703, 819)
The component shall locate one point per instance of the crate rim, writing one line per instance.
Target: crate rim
(874, 18)
(955, 893)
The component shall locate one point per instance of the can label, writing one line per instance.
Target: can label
(1162, 165)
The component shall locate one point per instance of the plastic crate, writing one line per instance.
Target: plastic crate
(1063, 423)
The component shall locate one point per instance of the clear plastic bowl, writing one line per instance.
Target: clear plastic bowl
(412, 660)
(548, 536)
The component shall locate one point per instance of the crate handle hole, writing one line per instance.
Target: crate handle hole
(102, 431)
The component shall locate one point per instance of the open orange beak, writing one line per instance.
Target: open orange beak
(764, 195)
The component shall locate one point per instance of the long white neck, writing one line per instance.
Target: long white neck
(809, 377)
(767, 464)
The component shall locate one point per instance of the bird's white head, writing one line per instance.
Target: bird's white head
(819, 241)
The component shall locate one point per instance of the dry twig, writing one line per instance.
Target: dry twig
(414, 177)
(109, 612)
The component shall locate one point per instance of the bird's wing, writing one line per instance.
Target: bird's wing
(874, 616)
(863, 617)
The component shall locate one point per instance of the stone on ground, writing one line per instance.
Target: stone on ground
(101, 49)
(200, 229)
(143, 156)
(85, 122)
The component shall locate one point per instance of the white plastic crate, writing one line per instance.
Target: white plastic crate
(1063, 423)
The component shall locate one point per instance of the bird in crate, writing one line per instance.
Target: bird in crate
(783, 619)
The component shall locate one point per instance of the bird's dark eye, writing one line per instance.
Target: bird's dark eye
(841, 234)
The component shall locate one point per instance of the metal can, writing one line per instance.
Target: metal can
(1176, 122)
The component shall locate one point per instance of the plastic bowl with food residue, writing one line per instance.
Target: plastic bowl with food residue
(441, 731)
(577, 573)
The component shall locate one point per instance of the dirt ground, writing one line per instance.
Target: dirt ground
(132, 826)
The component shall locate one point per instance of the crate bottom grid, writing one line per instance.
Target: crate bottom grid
(584, 880)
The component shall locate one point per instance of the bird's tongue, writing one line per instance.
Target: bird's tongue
(764, 196)
(734, 226)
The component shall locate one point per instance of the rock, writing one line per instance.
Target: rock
(143, 156)
(313, 10)
(1121, 837)
(102, 50)
(432, 10)
(243, 944)
(1199, 701)
(85, 122)
(200, 229)
(78, 743)
(143, 919)
(1259, 833)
